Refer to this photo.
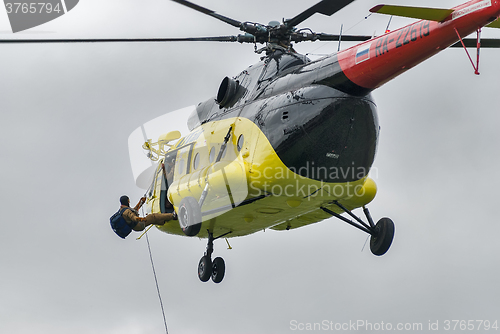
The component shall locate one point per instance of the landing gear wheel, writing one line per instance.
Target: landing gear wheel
(189, 216)
(205, 268)
(218, 270)
(380, 243)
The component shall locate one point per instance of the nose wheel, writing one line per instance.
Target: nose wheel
(211, 269)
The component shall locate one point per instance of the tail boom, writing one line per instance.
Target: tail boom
(371, 64)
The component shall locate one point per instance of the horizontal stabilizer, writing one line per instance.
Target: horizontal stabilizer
(494, 24)
(422, 13)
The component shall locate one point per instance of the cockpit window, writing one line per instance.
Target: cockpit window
(279, 62)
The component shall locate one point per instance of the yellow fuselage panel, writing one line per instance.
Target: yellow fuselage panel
(251, 169)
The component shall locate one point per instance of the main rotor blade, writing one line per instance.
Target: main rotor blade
(113, 40)
(344, 38)
(207, 11)
(492, 43)
(301, 37)
(325, 7)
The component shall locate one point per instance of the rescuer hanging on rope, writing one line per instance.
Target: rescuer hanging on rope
(127, 218)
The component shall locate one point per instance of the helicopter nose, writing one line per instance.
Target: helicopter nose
(346, 138)
(339, 138)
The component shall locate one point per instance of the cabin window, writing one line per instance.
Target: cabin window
(184, 159)
(182, 165)
(241, 141)
(212, 155)
(215, 151)
(196, 161)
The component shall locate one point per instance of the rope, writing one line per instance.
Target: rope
(151, 258)
(157, 287)
(365, 18)
(362, 249)
(152, 183)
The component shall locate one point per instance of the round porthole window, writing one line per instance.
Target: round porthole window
(196, 161)
(212, 154)
(241, 141)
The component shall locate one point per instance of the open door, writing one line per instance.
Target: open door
(167, 177)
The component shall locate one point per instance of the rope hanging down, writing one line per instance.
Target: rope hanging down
(157, 287)
(153, 267)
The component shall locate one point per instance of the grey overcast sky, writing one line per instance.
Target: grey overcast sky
(67, 112)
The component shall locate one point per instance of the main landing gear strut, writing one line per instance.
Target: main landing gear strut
(381, 234)
(208, 268)
(478, 47)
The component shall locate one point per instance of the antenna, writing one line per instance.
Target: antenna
(388, 24)
(340, 35)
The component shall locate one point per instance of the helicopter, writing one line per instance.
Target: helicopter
(289, 142)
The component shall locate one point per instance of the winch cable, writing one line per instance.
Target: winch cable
(157, 287)
(156, 281)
